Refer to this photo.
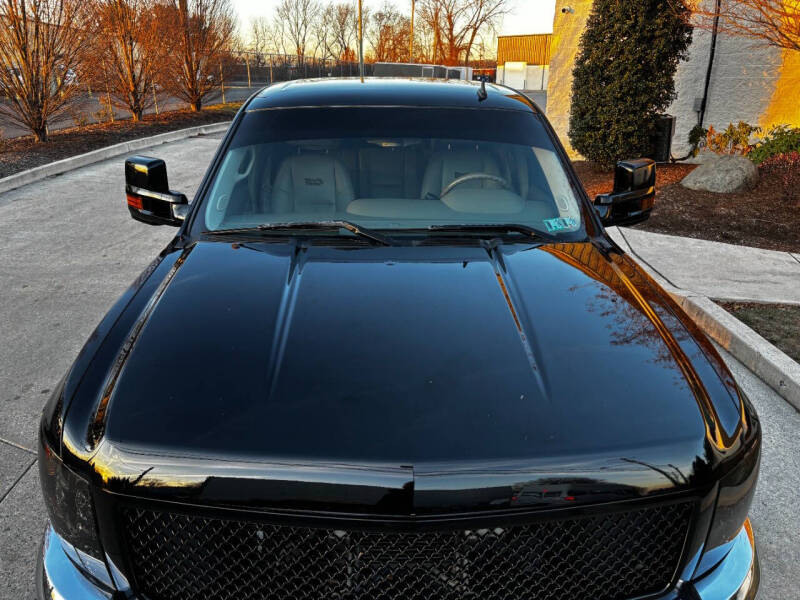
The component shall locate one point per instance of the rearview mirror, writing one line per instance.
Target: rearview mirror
(633, 196)
(149, 197)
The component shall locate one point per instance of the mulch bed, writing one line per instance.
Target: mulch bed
(19, 154)
(759, 218)
(778, 323)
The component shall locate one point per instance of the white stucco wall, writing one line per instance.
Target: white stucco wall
(567, 29)
(749, 82)
(743, 80)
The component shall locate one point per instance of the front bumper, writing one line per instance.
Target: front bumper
(736, 577)
(58, 578)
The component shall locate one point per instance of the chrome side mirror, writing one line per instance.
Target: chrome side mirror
(633, 196)
(147, 191)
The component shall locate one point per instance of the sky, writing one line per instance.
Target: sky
(527, 16)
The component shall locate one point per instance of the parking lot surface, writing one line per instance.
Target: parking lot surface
(68, 249)
(89, 105)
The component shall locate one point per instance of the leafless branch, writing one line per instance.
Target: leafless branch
(202, 35)
(42, 47)
(128, 49)
(769, 22)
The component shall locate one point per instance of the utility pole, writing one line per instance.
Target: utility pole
(411, 34)
(360, 42)
(108, 93)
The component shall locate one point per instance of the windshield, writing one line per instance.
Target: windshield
(392, 168)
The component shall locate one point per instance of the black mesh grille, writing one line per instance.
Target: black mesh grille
(619, 555)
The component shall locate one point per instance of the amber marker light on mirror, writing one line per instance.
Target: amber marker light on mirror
(134, 201)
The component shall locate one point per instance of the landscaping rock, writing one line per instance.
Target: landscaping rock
(723, 175)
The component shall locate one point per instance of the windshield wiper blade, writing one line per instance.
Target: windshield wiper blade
(310, 225)
(497, 228)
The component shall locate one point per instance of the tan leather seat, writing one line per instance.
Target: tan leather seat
(445, 167)
(311, 183)
(389, 172)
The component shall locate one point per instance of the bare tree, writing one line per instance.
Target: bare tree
(772, 22)
(42, 44)
(456, 24)
(261, 36)
(294, 20)
(267, 36)
(129, 48)
(388, 34)
(424, 41)
(202, 35)
(240, 48)
(337, 31)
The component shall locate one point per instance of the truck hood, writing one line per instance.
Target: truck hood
(437, 367)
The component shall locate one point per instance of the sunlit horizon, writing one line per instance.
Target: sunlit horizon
(526, 16)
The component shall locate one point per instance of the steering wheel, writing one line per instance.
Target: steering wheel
(470, 177)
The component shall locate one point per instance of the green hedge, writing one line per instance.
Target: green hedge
(781, 139)
(624, 76)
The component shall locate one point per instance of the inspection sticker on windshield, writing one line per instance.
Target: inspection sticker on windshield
(560, 224)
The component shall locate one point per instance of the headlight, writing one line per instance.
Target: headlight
(736, 490)
(68, 499)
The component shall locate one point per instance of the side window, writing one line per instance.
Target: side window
(558, 185)
(232, 192)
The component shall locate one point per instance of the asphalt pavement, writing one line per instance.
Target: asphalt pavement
(68, 249)
(87, 105)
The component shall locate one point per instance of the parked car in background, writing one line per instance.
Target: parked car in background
(392, 352)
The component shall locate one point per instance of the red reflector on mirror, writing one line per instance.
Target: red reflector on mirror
(134, 201)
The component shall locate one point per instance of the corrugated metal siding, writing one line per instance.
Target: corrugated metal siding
(531, 49)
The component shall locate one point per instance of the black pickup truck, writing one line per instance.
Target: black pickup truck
(392, 353)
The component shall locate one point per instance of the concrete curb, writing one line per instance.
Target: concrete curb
(74, 162)
(774, 367)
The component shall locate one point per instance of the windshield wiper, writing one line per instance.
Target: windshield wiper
(497, 228)
(309, 225)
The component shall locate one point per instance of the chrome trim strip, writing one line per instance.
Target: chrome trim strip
(168, 197)
(57, 578)
(736, 577)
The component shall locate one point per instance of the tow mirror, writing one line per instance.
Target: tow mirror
(149, 197)
(633, 196)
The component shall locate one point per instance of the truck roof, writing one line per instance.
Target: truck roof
(382, 91)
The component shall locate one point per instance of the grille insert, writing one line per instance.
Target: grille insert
(619, 555)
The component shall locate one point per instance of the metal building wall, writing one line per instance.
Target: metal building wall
(531, 49)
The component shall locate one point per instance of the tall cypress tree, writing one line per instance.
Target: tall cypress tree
(624, 76)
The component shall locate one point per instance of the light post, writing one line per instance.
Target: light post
(222, 82)
(360, 42)
(411, 34)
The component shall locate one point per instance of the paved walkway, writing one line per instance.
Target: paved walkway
(68, 249)
(714, 269)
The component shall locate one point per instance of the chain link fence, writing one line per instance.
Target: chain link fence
(253, 69)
